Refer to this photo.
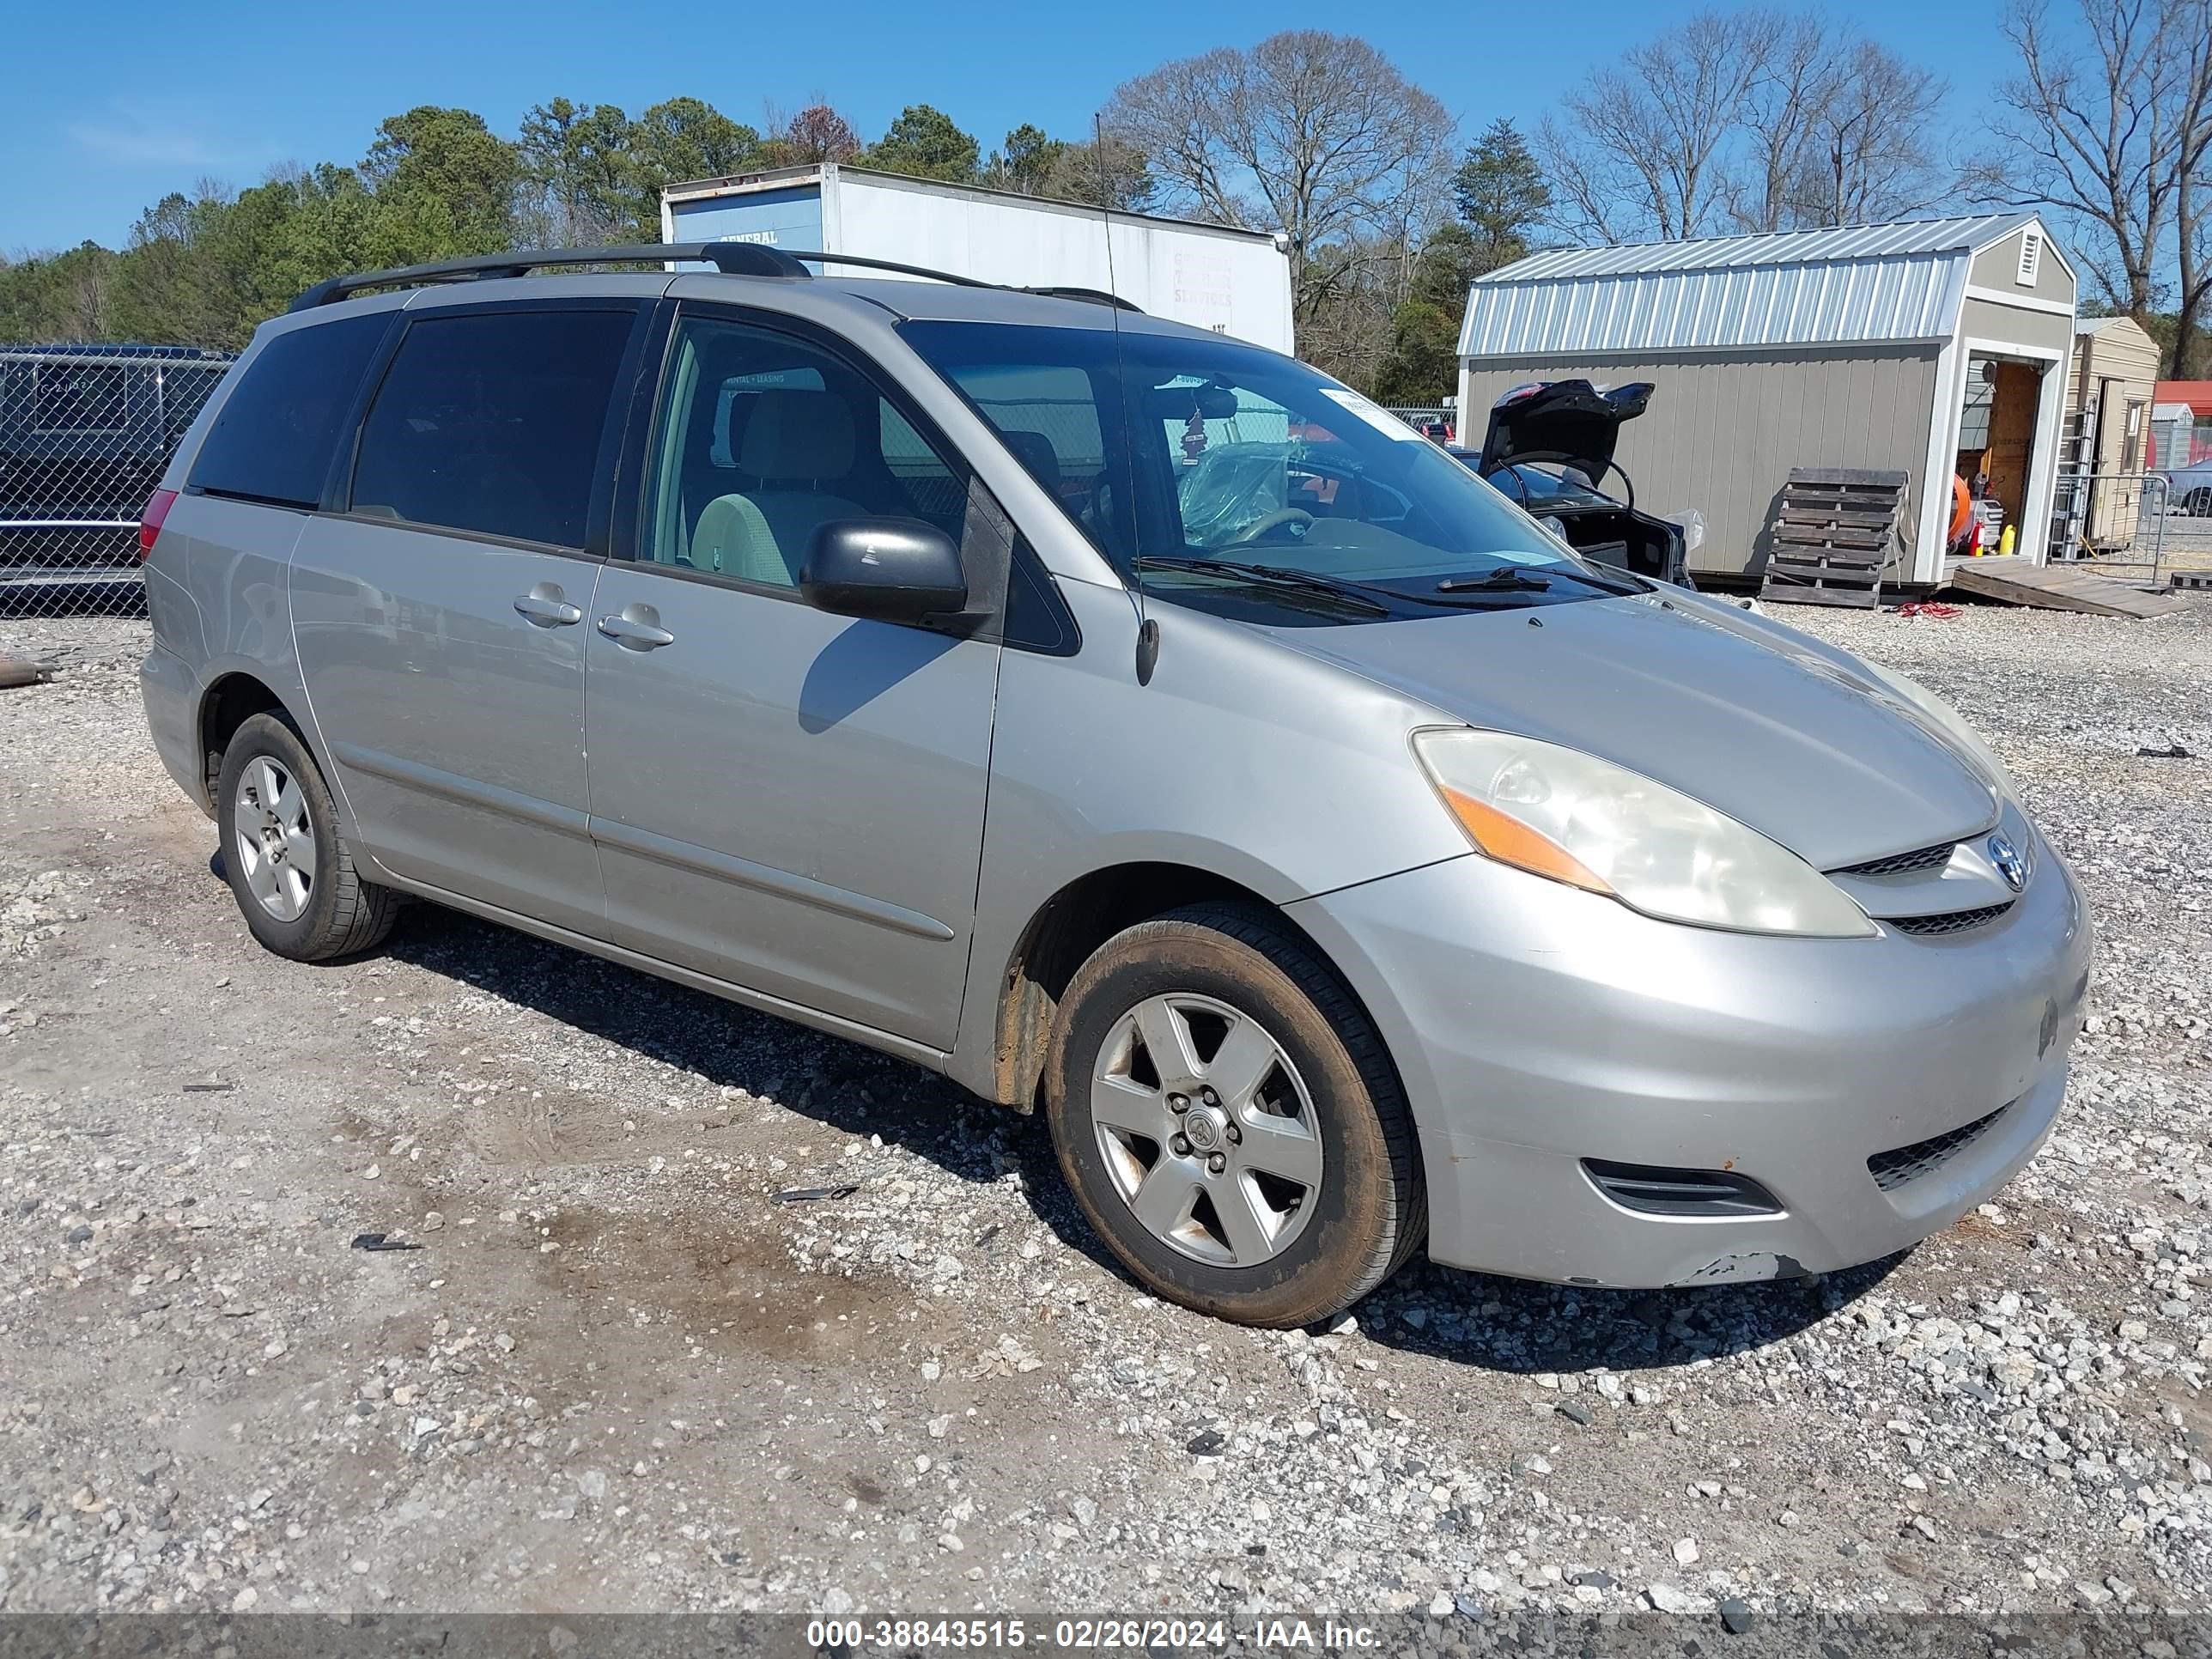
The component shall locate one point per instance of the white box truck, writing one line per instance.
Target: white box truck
(1233, 282)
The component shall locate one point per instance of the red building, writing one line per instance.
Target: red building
(2180, 424)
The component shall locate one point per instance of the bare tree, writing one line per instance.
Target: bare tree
(2091, 129)
(2188, 26)
(1315, 135)
(1754, 120)
(1866, 155)
(85, 297)
(1348, 333)
(1793, 79)
(816, 133)
(1640, 151)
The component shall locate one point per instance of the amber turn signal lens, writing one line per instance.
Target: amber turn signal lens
(1511, 841)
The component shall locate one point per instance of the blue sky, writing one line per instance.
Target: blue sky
(162, 101)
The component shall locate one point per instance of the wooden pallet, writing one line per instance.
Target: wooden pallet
(1833, 536)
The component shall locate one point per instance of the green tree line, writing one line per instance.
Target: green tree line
(1385, 235)
(205, 268)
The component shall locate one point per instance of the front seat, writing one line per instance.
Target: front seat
(1036, 453)
(799, 447)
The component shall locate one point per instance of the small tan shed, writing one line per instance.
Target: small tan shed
(2111, 380)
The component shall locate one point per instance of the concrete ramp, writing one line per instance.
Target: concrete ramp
(2058, 587)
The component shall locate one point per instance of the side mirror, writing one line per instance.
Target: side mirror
(889, 569)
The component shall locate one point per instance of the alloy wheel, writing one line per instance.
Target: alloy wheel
(273, 838)
(1206, 1130)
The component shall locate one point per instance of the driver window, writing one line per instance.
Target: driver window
(761, 438)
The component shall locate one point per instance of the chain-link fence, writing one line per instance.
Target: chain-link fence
(85, 433)
(1434, 419)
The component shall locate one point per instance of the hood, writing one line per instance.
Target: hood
(1565, 421)
(1781, 733)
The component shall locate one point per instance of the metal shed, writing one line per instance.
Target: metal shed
(1926, 346)
(2112, 375)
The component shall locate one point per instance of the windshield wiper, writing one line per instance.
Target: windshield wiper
(1349, 593)
(1506, 579)
(1527, 579)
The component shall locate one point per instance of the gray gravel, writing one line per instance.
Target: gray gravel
(616, 1373)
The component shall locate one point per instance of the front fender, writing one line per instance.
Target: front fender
(1243, 760)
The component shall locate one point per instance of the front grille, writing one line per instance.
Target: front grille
(1656, 1190)
(1893, 1169)
(1900, 863)
(1951, 921)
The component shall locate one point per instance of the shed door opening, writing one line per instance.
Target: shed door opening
(1997, 439)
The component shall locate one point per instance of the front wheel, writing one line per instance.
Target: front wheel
(1230, 1123)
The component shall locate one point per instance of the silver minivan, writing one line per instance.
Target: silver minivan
(1134, 725)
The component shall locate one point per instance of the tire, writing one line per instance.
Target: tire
(291, 871)
(1324, 1201)
(2197, 503)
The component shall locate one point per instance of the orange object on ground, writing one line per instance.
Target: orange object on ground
(1962, 509)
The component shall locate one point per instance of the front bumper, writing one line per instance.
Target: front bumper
(1536, 1026)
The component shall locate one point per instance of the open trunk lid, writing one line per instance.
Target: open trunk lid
(1568, 421)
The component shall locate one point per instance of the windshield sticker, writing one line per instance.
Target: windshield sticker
(1374, 414)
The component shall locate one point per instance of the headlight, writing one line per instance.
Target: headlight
(1575, 819)
(1952, 723)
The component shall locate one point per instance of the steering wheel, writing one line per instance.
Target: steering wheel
(1276, 521)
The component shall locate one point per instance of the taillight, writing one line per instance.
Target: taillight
(149, 522)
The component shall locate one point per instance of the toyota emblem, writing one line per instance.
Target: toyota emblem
(2011, 862)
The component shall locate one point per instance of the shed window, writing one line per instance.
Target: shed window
(2031, 259)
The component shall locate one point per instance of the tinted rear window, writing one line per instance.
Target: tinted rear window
(491, 422)
(273, 439)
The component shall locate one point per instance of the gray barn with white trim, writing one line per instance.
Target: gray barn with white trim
(1925, 346)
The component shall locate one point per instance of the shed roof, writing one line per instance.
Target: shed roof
(2120, 324)
(1856, 285)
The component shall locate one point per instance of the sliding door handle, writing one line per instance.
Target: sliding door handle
(637, 629)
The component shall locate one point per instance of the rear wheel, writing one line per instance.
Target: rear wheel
(1228, 1121)
(292, 872)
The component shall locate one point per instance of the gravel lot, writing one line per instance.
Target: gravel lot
(616, 1374)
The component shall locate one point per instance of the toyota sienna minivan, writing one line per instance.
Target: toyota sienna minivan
(1134, 725)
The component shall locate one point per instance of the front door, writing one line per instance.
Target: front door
(786, 799)
(440, 615)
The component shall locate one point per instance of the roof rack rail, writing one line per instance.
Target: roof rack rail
(891, 265)
(1090, 296)
(1097, 297)
(731, 258)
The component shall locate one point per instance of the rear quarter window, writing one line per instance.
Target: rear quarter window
(275, 435)
(492, 422)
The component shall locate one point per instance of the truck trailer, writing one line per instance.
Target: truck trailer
(1234, 282)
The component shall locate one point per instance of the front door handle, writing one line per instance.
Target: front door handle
(637, 629)
(544, 603)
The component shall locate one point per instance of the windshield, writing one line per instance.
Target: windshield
(1180, 458)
